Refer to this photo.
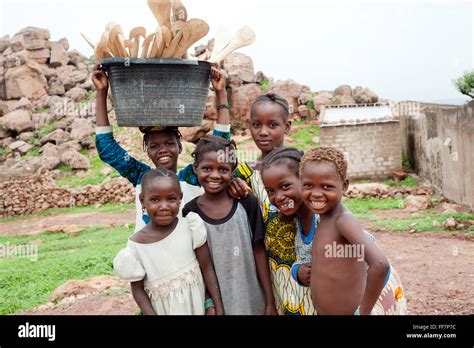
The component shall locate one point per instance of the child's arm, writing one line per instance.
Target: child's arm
(263, 272)
(210, 279)
(108, 149)
(222, 127)
(141, 298)
(348, 226)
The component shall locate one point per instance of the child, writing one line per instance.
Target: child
(162, 260)
(341, 282)
(162, 144)
(268, 125)
(289, 270)
(234, 231)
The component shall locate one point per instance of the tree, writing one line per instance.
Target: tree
(465, 84)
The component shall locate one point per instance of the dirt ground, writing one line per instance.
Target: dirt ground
(436, 269)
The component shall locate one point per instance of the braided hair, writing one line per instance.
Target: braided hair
(216, 144)
(327, 154)
(289, 156)
(159, 172)
(174, 131)
(274, 99)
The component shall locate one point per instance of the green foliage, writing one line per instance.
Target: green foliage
(48, 128)
(361, 207)
(34, 152)
(26, 283)
(465, 84)
(408, 181)
(43, 110)
(310, 105)
(405, 163)
(303, 138)
(264, 85)
(5, 151)
(336, 101)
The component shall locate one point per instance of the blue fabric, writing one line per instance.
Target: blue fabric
(307, 239)
(294, 272)
(388, 276)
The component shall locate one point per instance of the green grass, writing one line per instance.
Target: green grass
(303, 139)
(5, 151)
(264, 85)
(34, 152)
(48, 128)
(93, 175)
(26, 283)
(43, 110)
(336, 101)
(310, 105)
(106, 208)
(408, 181)
(361, 207)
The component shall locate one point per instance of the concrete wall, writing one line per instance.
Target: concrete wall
(425, 129)
(373, 150)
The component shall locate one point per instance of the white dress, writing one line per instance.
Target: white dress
(171, 273)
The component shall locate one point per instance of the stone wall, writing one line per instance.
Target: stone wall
(373, 150)
(438, 141)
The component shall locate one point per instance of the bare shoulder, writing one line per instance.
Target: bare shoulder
(138, 237)
(346, 223)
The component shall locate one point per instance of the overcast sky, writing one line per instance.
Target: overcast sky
(402, 50)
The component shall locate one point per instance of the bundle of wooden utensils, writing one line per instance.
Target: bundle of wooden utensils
(171, 40)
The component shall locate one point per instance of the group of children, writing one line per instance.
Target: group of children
(220, 237)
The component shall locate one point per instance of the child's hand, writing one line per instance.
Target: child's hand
(217, 79)
(304, 273)
(271, 310)
(100, 79)
(211, 311)
(238, 188)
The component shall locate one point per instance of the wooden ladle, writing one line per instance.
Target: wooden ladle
(89, 41)
(162, 11)
(134, 40)
(198, 29)
(222, 39)
(244, 37)
(179, 11)
(102, 48)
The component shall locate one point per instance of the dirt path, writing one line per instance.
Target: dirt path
(41, 224)
(437, 269)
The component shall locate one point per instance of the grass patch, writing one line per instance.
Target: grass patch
(5, 151)
(44, 110)
(34, 152)
(93, 176)
(48, 128)
(336, 101)
(310, 105)
(303, 139)
(361, 207)
(25, 284)
(408, 181)
(264, 85)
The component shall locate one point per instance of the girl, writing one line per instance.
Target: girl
(162, 260)
(294, 224)
(349, 273)
(162, 144)
(234, 230)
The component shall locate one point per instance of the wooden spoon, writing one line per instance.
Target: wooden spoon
(89, 41)
(179, 11)
(116, 41)
(102, 49)
(222, 39)
(146, 45)
(171, 49)
(162, 11)
(198, 29)
(244, 37)
(134, 39)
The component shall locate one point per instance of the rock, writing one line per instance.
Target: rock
(71, 77)
(106, 171)
(260, 76)
(35, 38)
(26, 136)
(399, 175)
(242, 99)
(50, 150)
(6, 141)
(75, 160)
(25, 81)
(370, 189)
(59, 56)
(193, 134)
(40, 56)
(365, 96)
(346, 100)
(16, 44)
(239, 66)
(290, 90)
(49, 162)
(417, 203)
(56, 86)
(449, 208)
(450, 223)
(16, 59)
(343, 90)
(303, 111)
(76, 94)
(24, 104)
(48, 72)
(398, 195)
(41, 119)
(304, 98)
(20, 146)
(18, 121)
(76, 57)
(91, 285)
(69, 145)
(322, 98)
(65, 43)
(81, 130)
(57, 136)
(315, 140)
(313, 113)
(210, 112)
(4, 43)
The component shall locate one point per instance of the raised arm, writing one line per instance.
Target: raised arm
(350, 229)
(218, 80)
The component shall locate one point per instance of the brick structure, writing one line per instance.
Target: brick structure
(373, 148)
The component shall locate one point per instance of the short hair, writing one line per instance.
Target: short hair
(272, 98)
(327, 154)
(216, 144)
(284, 155)
(159, 172)
(167, 130)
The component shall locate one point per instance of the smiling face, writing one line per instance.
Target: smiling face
(163, 149)
(213, 173)
(161, 198)
(284, 188)
(322, 186)
(268, 126)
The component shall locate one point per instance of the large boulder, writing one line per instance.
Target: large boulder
(417, 203)
(25, 81)
(76, 94)
(17, 120)
(16, 59)
(239, 66)
(193, 134)
(82, 130)
(242, 99)
(40, 56)
(365, 96)
(57, 136)
(35, 38)
(16, 44)
(4, 43)
(322, 98)
(56, 86)
(59, 56)
(75, 160)
(64, 42)
(71, 77)
(343, 90)
(76, 57)
(20, 146)
(290, 90)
